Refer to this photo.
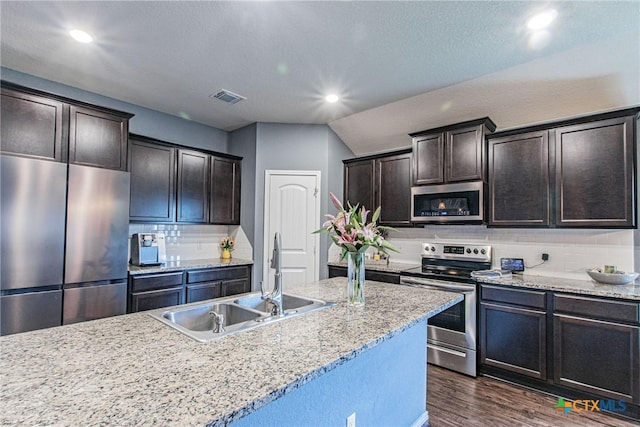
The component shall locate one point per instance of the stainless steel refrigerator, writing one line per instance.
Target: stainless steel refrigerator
(64, 243)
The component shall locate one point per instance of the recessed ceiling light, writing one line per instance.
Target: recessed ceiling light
(332, 98)
(542, 19)
(81, 36)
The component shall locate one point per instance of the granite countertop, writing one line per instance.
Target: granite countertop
(392, 267)
(585, 287)
(188, 265)
(135, 370)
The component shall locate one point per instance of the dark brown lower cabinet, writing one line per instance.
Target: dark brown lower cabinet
(159, 298)
(377, 276)
(574, 346)
(592, 351)
(234, 287)
(157, 290)
(513, 337)
(202, 291)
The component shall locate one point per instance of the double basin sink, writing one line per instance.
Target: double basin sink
(240, 313)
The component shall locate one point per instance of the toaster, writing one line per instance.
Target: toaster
(148, 249)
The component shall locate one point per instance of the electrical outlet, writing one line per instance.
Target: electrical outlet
(545, 257)
(351, 420)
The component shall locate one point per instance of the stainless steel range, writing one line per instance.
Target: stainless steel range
(451, 335)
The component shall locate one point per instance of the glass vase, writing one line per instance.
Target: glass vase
(355, 278)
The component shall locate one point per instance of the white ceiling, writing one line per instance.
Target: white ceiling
(399, 67)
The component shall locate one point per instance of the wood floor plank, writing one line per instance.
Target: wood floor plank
(456, 400)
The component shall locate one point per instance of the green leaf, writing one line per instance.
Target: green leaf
(376, 215)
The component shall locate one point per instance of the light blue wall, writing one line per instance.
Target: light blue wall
(384, 386)
(296, 147)
(242, 142)
(146, 122)
(338, 152)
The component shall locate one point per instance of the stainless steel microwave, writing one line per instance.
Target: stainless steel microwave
(448, 203)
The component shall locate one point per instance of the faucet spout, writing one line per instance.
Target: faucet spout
(275, 296)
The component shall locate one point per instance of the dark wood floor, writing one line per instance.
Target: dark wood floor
(457, 400)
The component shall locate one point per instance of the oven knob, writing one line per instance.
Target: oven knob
(483, 251)
(468, 250)
(475, 251)
(433, 248)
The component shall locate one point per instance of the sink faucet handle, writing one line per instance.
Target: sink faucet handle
(218, 322)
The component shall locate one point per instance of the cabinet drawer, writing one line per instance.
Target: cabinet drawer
(525, 298)
(155, 281)
(234, 287)
(156, 299)
(222, 273)
(203, 291)
(597, 308)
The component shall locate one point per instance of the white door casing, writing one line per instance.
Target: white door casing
(292, 208)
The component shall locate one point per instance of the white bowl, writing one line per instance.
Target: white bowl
(612, 278)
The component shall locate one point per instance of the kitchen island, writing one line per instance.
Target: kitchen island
(135, 370)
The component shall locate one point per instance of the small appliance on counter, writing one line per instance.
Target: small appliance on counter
(148, 249)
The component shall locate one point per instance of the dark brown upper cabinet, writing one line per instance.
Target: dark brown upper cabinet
(595, 174)
(46, 126)
(224, 205)
(452, 153)
(519, 191)
(573, 173)
(98, 138)
(359, 182)
(170, 183)
(384, 181)
(32, 125)
(193, 187)
(153, 174)
(393, 189)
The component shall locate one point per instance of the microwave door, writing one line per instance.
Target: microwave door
(448, 203)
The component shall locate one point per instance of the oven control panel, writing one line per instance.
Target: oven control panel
(457, 251)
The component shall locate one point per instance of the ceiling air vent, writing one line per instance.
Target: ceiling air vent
(227, 96)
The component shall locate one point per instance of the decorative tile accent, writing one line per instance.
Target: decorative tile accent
(571, 252)
(197, 241)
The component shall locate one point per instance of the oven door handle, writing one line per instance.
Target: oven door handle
(438, 286)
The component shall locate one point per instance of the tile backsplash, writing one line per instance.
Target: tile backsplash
(195, 241)
(571, 252)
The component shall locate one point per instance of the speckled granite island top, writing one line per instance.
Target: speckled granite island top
(188, 265)
(585, 287)
(135, 370)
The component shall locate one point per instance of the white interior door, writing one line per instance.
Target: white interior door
(292, 208)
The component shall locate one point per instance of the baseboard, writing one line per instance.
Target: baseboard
(422, 421)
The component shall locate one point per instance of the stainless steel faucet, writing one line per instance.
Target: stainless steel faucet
(275, 296)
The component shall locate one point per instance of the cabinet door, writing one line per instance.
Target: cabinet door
(234, 287)
(597, 357)
(513, 339)
(97, 138)
(203, 291)
(595, 174)
(464, 151)
(358, 184)
(153, 171)
(32, 125)
(428, 160)
(193, 188)
(149, 300)
(393, 192)
(224, 206)
(519, 180)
